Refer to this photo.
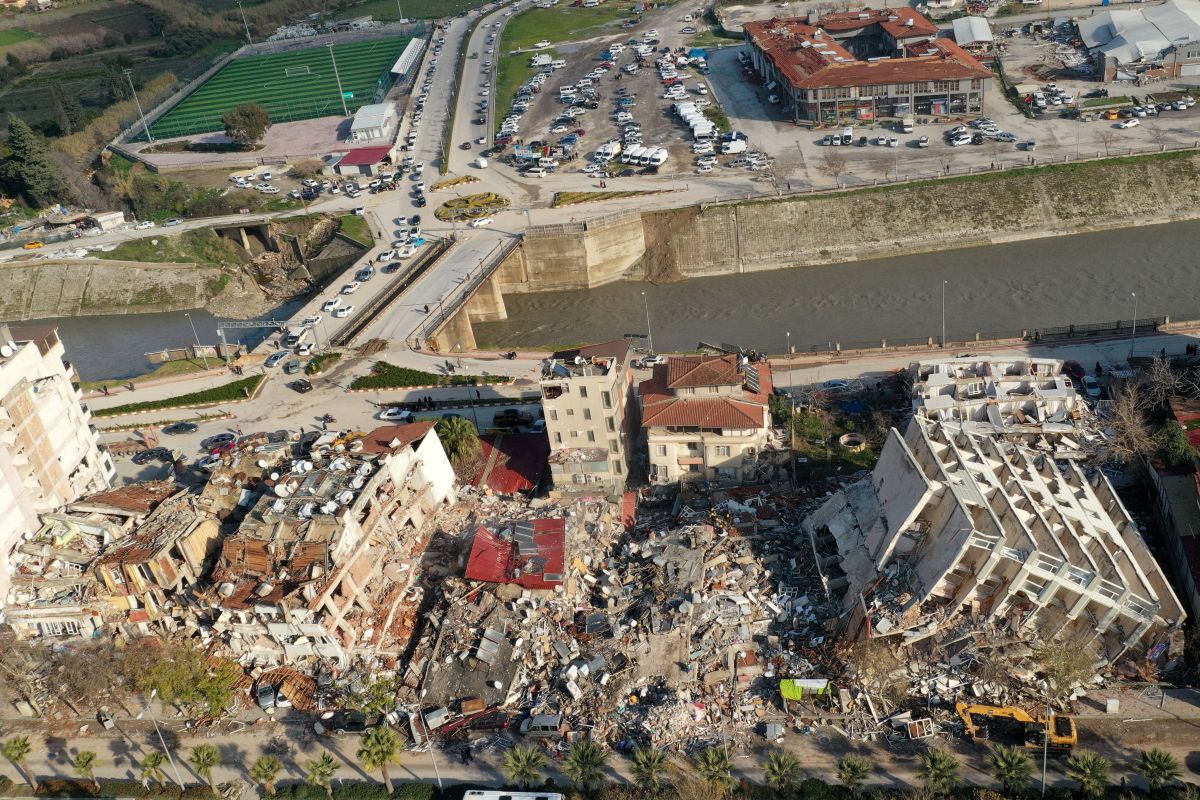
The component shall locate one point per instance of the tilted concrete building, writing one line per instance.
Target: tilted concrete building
(956, 527)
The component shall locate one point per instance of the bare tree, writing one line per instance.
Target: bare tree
(1157, 134)
(1106, 137)
(946, 160)
(1160, 382)
(888, 163)
(833, 164)
(1129, 436)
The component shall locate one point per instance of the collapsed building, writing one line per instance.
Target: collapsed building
(974, 520)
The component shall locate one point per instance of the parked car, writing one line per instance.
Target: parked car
(343, 312)
(293, 366)
(180, 427)
(173, 221)
(330, 305)
(213, 442)
(301, 385)
(275, 358)
(1091, 387)
(392, 414)
(651, 360)
(1075, 371)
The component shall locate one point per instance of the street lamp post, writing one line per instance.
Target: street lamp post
(161, 741)
(246, 24)
(1046, 744)
(943, 343)
(341, 93)
(399, 13)
(1133, 333)
(649, 334)
(792, 415)
(128, 73)
(196, 336)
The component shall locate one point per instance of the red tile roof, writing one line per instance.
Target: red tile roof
(137, 497)
(692, 371)
(900, 23)
(514, 462)
(364, 156)
(390, 438)
(808, 58)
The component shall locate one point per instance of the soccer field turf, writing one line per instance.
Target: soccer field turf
(295, 85)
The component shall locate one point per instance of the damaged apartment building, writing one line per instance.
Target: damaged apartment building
(321, 563)
(973, 520)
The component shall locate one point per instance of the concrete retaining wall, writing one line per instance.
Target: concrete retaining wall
(86, 288)
(575, 256)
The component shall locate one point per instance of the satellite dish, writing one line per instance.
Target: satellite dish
(7, 350)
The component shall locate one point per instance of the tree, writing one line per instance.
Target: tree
(1064, 664)
(380, 747)
(1131, 436)
(584, 764)
(17, 751)
(265, 771)
(28, 170)
(524, 765)
(783, 771)
(648, 766)
(205, 758)
(181, 675)
(67, 113)
(1011, 767)
(246, 124)
(85, 766)
(1157, 768)
(151, 767)
(888, 163)
(1106, 137)
(1174, 445)
(714, 765)
(833, 164)
(15, 64)
(320, 772)
(939, 769)
(853, 772)
(1091, 771)
(460, 438)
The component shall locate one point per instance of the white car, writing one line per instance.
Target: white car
(1132, 122)
(343, 312)
(706, 161)
(482, 221)
(312, 322)
(360, 211)
(330, 305)
(269, 190)
(304, 349)
(542, 43)
(396, 415)
(351, 287)
(406, 251)
(144, 224)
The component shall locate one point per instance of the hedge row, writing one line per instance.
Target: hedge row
(238, 390)
(389, 376)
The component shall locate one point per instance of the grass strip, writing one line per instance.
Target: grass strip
(389, 376)
(237, 390)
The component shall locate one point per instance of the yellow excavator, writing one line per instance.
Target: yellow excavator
(979, 719)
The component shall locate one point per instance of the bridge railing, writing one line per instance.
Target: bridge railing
(474, 279)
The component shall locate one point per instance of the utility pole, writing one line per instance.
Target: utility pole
(341, 93)
(244, 23)
(196, 336)
(792, 415)
(161, 741)
(649, 334)
(1133, 334)
(129, 77)
(1046, 744)
(399, 13)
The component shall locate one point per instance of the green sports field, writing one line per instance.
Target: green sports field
(299, 84)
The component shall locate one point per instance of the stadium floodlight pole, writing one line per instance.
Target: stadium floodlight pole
(129, 77)
(399, 13)
(246, 24)
(341, 93)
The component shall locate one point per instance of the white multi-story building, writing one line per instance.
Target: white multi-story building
(49, 452)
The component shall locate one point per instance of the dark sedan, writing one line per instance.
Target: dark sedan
(301, 385)
(153, 454)
(181, 427)
(219, 440)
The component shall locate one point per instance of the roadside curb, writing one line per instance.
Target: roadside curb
(203, 418)
(253, 395)
(423, 388)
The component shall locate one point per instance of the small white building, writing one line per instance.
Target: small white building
(372, 123)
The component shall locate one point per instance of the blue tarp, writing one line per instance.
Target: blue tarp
(698, 52)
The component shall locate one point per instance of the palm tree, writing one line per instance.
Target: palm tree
(524, 765)
(939, 769)
(459, 437)
(648, 766)
(17, 751)
(1091, 771)
(320, 772)
(783, 770)
(152, 768)
(264, 771)
(1157, 767)
(380, 747)
(85, 767)
(1012, 768)
(205, 758)
(584, 764)
(853, 772)
(715, 766)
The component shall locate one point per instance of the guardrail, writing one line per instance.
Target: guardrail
(474, 279)
(382, 301)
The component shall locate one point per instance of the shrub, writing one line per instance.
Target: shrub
(238, 390)
(389, 376)
(360, 791)
(415, 791)
(318, 364)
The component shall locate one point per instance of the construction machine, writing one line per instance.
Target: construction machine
(981, 719)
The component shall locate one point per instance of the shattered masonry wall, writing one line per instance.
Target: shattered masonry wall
(902, 489)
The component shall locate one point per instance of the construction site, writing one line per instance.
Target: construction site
(982, 571)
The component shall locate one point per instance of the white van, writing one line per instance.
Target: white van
(542, 726)
(906, 126)
(547, 163)
(481, 163)
(848, 135)
(559, 64)
(535, 172)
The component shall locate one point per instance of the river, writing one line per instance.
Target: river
(995, 291)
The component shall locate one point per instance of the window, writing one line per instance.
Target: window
(693, 467)
(722, 450)
(977, 83)
(558, 438)
(587, 413)
(570, 412)
(617, 467)
(660, 450)
(574, 434)
(591, 436)
(608, 423)
(612, 445)
(583, 392)
(553, 415)
(606, 399)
